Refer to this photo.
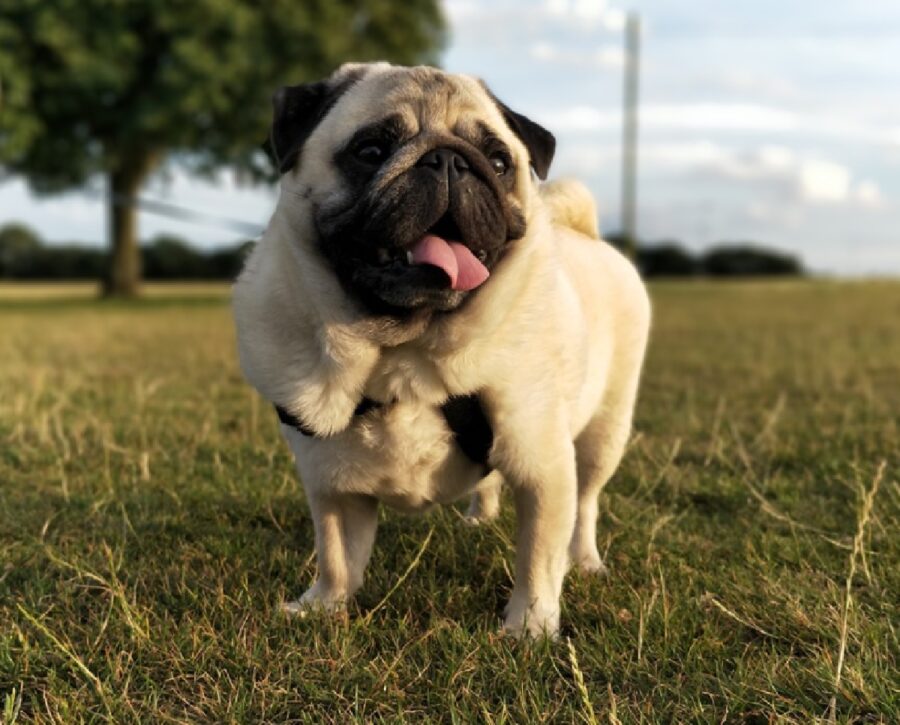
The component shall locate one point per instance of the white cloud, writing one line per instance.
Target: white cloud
(824, 182)
(868, 194)
(580, 118)
(809, 180)
(786, 177)
(543, 51)
(606, 57)
(610, 57)
(720, 116)
(776, 177)
(589, 12)
(755, 83)
(688, 116)
(614, 20)
(692, 154)
(459, 11)
(787, 215)
(517, 15)
(585, 160)
(767, 163)
(776, 157)
(558, 8)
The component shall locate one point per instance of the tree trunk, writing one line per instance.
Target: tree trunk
(123, 275)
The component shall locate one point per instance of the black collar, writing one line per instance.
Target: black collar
(464, 414)
(365, 405)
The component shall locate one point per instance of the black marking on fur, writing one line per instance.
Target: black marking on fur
(466, 418)
(366, 242)
(365, 405)
(297, 112)
(541, 144)
(387, 134)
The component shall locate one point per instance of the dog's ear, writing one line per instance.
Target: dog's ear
(297, 110)
(541, 144)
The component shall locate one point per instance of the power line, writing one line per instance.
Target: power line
(181, 213)
(174, 211)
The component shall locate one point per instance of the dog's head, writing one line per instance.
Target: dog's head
(412, 182)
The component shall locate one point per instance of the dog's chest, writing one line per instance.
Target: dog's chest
(406, 374)
(418, 446)
(408, 455)
(416, 461)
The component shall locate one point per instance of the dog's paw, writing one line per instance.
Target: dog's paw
(478, 513)
(315, 601)
(591, 565)
(531, 621)
(587, 560)
(483, 507)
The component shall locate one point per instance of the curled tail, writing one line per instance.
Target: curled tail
(571, 205)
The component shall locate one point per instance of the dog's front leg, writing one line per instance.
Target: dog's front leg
(545, 496)
(345, 532)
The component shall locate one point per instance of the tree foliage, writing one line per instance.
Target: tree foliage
(745, 259)
(87, 83)
(114, 86)
(670, 258)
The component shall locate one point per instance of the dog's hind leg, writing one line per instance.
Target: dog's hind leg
(345, 527)
(598, 450)
(485, 502)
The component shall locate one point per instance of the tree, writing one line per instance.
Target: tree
(18, 243)
(169, 257)
(749, 260)
(114, 87)
(666, 259)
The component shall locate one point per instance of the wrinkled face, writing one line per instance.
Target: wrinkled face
(416, 182)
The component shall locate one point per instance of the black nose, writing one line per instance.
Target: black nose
(444, 162)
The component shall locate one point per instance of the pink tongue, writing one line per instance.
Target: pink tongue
(455, 259)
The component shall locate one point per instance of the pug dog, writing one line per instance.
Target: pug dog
(431, 321)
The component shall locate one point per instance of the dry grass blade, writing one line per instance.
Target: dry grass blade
(767, 508)
(588, 714)
(412, 565)
(113, 586)
(864, 514)
(65, 650)
(613, 709)
(710, 598)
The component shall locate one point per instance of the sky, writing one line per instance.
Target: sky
(776, 122)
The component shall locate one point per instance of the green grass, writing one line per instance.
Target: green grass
(151, 523)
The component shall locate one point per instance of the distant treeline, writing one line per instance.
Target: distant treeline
(726, 259)
(24, 256)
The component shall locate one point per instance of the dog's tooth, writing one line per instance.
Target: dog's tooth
(409, 257)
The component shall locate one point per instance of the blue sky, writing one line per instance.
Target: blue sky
(771, 121)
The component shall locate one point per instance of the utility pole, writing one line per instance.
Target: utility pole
(630, 132)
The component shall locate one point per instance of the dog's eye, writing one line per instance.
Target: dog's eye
(371, 153)
(499, 163)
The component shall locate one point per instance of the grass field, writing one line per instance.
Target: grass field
(151, 523)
